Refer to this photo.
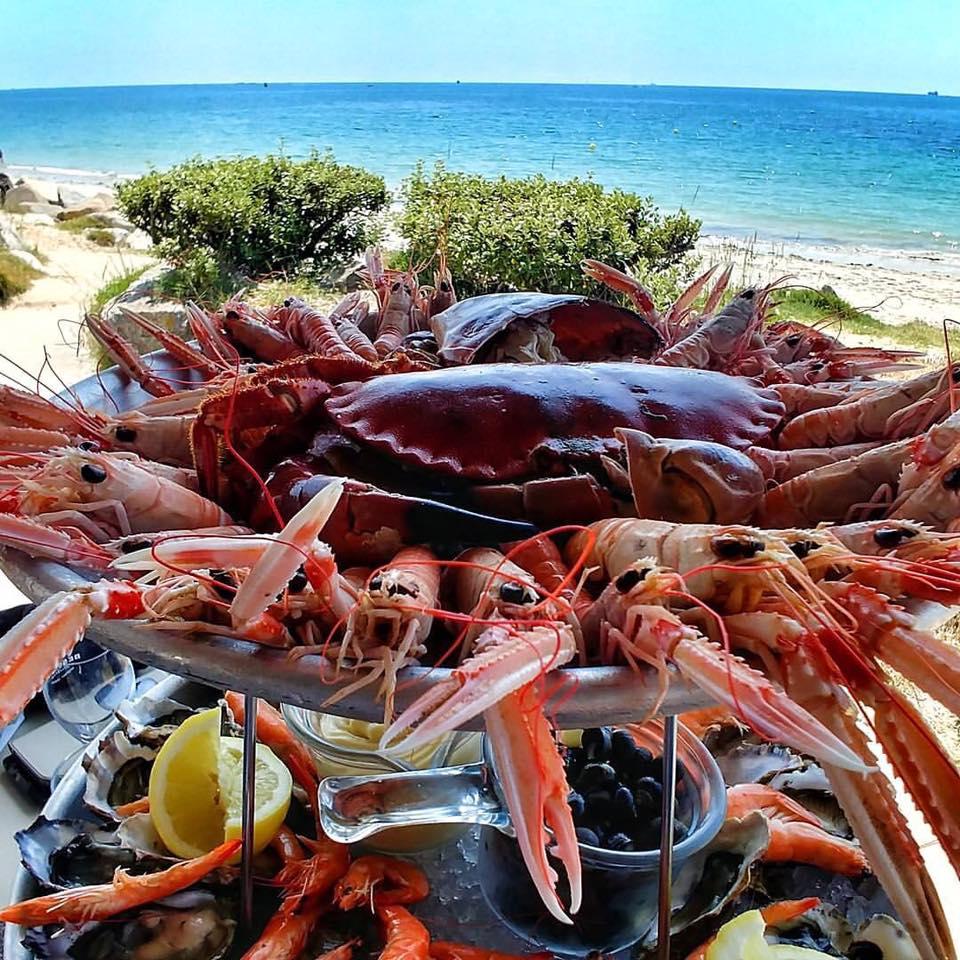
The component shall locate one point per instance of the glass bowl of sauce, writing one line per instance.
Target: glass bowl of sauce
(343, 747)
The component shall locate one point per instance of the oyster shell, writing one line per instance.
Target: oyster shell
(150, 722)
(193, 925)
(886, 934)
(117, 773)
(712, 880)
(72, 853)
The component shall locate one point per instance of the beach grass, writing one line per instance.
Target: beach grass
(15, 277)
(825, 308)
(114, 288)
(271, 293)
(101, 237)
(78, 224)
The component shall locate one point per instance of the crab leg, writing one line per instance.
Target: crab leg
(535, 789)
(506, 659)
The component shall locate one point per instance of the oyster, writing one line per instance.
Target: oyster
(193, 925)
(712, 880)
(72, 853)
(117, 773)
(150, 722)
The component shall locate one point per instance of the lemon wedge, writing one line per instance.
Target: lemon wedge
(742, 939)
(196, 789)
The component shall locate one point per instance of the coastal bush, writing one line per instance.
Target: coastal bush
(15, 277)
(257, 215)
(532, 233)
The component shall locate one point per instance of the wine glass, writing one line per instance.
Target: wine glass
(83, 693)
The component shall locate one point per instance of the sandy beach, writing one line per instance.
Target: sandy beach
(895, 286)
(48, 316)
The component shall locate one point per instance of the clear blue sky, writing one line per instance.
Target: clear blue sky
(891, 45)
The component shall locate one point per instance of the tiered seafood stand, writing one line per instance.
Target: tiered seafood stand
(202, 668)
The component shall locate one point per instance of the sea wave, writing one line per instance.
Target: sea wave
(64, 174)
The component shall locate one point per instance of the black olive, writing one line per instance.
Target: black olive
(93, 473)
(587, 836)
(623, 808)
(644, 803)
(620, 841)
(596, 775)
(515, 593)
(629, 579)
(577, 804)
(129, 546)
(803, 548)
(951, 479)
(298, 582)
(596, 743)
(599, 805)
(91, 446)
(736, 548)
(126, 434)
(622, 749)
(651, 786)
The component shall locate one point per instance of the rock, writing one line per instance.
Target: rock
(138, 240)
(45, 191)
(9, 238)
(142, 297)
(48, 209)
(28, 258)
(347, 277)
(112, 219)
(76, 193)
(39, 220)
(5, 184)
(21, 194)
(97, 204)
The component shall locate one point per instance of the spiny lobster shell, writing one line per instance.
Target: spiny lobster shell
(496, 421)
(583, 328)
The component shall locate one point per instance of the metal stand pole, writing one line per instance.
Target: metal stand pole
(664, 901)
(249, 807)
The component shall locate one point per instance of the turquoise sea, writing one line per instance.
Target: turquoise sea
(853, 168)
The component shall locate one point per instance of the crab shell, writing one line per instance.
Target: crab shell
(504, 421)
(192, 925)
(583, 328)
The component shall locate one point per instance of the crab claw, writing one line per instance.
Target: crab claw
(506, 659)
(690, 481)
(31, 650)
(535, 791)
(281, 560)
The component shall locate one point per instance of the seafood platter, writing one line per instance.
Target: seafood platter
(550, 517)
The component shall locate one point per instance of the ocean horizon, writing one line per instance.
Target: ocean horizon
(866, 169)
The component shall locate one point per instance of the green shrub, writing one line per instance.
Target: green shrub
(257, 215)
(198, 276)
(78, 224)
(532, 233)
(15, 277)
